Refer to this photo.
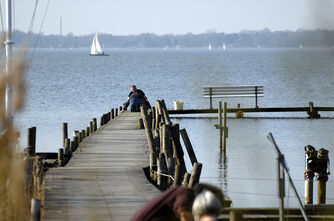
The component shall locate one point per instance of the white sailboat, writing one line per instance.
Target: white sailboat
(209, 47)
(224, 46)
(95, 49)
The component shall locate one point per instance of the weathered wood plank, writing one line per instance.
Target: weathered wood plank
(104, 179)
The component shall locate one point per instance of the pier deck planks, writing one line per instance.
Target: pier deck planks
(104, 179)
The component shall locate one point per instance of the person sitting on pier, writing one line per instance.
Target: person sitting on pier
(136, 99)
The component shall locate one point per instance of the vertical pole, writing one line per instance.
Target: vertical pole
(256, 106)
(9, 45)
(65, 133)
(225, 127)
(35, 210)
(220, 124)
(210, 97)
(308, 175)
(280, 180)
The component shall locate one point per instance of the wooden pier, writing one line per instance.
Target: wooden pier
(104, 180)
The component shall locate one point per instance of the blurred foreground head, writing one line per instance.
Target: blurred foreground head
(206, 206)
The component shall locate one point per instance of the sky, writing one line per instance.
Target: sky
(124, 17)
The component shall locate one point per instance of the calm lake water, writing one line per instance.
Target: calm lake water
(70, 86)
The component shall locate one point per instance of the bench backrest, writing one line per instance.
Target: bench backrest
(233, 91)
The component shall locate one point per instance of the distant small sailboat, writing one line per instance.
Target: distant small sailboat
(224, 46)
(209, 47)
(95, 49)
(301, 46)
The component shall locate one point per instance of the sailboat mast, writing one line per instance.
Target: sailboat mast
(9, 51)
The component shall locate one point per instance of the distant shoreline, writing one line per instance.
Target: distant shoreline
(245, 39)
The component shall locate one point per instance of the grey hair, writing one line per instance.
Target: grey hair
(206, 203)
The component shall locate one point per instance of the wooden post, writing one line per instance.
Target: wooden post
(210, 97)
(65, 133)
(177, 148)
(95, 124)
(321, 191)
(61, 157)
(112, 113)
(186, 178)
(225, 127)
(102, 120)
(162, 172)
(87, 131)
(239, 114)
(158, 120)
(195, 175)
(189, 147)
(83, 134)
(165, 112)
(312, 112)
(120, 108)
(153, 164)
(91, 126)
(67, 149)
(35, 209)
(236, 215)
(148, 129)
(281, 185)
(140, 124)
(220, 125)
(309, 174)
(76, 140)
(177, 176)
(31, 142)
(166, 144)
(256, 91)
(171, 169)
(116, 112)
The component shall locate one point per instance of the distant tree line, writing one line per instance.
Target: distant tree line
(244, 39)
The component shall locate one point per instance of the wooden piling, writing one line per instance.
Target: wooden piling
(165, 112)
(321, 191)
(35, 210)
(116, 112)
(95, 124)
(177, 176)
(312, 112)
(148, 129)
(102, 120)
(171, 169)
(31, 142)
(87, 131)
(112, 113)
(189, 147)
(225, 127)
(185, 180)
(236, 215)
(65, 133)
(67, 149)
(76, 140)
(195, 175)
(162, 172)
(120, 108)
(166, 144)
(61, 157)
(83, 134)
(140, 124)
(239, 114)
(153, 164)
(177, 148)
(91, 126)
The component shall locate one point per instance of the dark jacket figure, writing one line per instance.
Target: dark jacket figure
(135, 100)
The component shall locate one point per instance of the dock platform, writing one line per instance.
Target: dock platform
(104, 179)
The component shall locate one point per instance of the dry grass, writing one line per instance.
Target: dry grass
(14, 199)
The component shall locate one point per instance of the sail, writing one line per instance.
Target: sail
(95, 48)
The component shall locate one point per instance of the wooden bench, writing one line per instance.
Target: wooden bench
(233, 91)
